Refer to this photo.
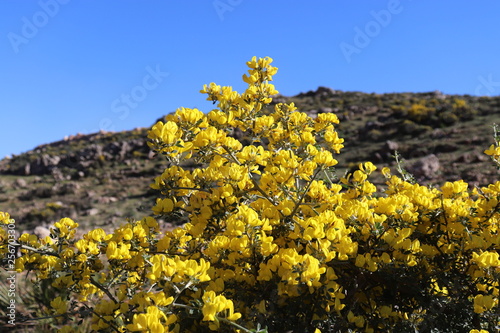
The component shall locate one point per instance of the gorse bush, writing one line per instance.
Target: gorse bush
(435, 113)
(274, 241)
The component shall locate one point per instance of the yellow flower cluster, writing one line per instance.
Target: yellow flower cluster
(494, 150)
(272, 240)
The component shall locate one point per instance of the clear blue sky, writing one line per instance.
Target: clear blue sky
(70, 66)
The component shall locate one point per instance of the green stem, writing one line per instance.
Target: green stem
(297, 205)
(106, 291)
(189, 188)
(234, 324)
(39, 251)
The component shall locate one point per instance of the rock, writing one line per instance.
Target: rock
(438, 134)
(83, 165)
(90, 194)
(472, 157)
(426, 167)
(369, 125)
(92, 152)
(325, 110)
(387, 151)
(68, 188)
(42, 165)
(438, 94)
(354, 108)
(77, 175)
(58, 175)
(51, 160)
(41, 232)
(20, 183)
(92, 212)
(391, 146)
(106, 200)
(124, 149)
(325, 91)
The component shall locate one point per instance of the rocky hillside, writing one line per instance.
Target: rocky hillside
(103, 179)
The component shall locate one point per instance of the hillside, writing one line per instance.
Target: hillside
(102, 179)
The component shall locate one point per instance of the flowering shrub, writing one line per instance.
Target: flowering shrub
(273, 241)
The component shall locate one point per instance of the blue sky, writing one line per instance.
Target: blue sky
(73, 66)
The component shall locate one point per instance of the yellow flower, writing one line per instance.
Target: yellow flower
(359, 321)
(151, 321)
(161, 266)
(163, 206)
(484, 303)
(367, 167)
(65, 228)
(60, 305)
(216, 304)
(118, 251)
(487, 259)
(165, 133)
(385, 311)
(97, 235)
(325, 158)
(493, 151)
(206, 137)
(67, 329)
(192, 116)
(4, 218)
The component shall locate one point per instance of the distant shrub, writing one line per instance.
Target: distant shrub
(412, 128)
(41, 191)
(434, 113)
(448, 118)
(420, 113)
(375, 135)
(45, 214)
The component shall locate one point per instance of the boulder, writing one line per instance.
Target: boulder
(41, 232)
(20, 183)
(425, 168)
